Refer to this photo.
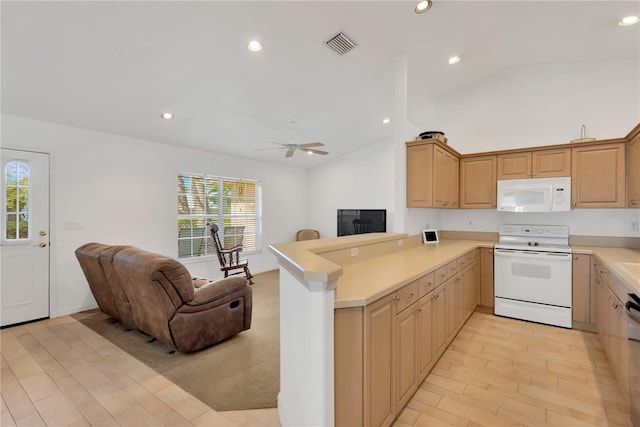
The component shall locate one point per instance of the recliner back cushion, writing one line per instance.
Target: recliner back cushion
(156, 286)
(88, 256)
(119, 295)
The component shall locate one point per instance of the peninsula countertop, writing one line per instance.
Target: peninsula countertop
(359, 283)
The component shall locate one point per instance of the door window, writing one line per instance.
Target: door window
(17, 224)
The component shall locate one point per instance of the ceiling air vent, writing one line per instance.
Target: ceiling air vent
(340, 43)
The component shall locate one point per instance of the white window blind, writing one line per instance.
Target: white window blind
(233, 204)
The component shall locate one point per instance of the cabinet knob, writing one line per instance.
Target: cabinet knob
(410, 296)
(634, 202)
(575, 257)
(575, 204)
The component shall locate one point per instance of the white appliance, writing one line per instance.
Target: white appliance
(535, 195)
(532, 270)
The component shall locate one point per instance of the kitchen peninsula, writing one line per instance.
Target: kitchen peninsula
(364, 318)
(367, 299)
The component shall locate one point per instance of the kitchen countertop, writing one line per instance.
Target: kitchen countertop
(615, 260)
(362, 282)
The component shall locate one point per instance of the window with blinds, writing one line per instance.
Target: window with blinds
(233, 204)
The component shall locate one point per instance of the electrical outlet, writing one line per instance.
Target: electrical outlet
(354, 251)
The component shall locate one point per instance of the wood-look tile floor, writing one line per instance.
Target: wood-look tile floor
(497, 371)
(58, 372)
(501, 371)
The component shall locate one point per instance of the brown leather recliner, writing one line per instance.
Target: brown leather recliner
(162, 299)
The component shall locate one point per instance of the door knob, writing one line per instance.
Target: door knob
(42, 244)
(43, 233)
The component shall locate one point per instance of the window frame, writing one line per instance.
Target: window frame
(220, 216)
(28, 187)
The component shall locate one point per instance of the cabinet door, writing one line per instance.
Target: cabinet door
(439, 330)
(379, 366)
(451, 308)
(514, 166)
(459, 281)
(445, 178)
(633, 168)
(478, 182)
(486, 277)
(581, 301)
(406, 349)
(601, 302)
(426, 338)
(598, 176)
(470, 280)
(551, 163)
(420, 176)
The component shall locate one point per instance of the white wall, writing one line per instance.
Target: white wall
(520, 107)
(360, 180)
(542, 105)
(123, 190)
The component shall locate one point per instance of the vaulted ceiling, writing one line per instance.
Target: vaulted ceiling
(116, 66)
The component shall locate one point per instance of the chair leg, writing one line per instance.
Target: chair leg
(248, 274)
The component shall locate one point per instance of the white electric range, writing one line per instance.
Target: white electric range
(532, 270)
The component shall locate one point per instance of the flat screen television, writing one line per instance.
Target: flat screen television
(360, 221)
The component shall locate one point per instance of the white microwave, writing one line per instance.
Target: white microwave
(535, 195)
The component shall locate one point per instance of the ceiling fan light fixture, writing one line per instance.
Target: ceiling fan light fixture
(628, 20)
(423, 6)
(255, 46)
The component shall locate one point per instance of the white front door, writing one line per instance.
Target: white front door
(24, 292)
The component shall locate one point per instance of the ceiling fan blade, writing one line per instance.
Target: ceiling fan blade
(311, 144)
(311, 150)
(289, 153)
(265, 149)
(277, 143)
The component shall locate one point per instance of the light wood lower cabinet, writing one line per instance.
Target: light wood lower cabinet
(611, 325)
(385, 350)
(486, 277)
(379, 362)
(581, 288)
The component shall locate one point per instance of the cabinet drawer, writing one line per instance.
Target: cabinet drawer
(406, 296)
(452, 268)
(426, 284)
(441, 275)
(463, 261)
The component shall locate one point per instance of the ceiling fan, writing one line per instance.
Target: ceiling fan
(291, 148)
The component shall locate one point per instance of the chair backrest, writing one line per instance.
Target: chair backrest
(307, 234)
(361, 226)
(88, 256)
(233, 235)
(213, 228)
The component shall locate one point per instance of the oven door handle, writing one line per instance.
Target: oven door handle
(531, 254)
(630, 307)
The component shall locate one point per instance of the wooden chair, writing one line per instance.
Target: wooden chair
(307, 234)
(229, 257)
(361, 226)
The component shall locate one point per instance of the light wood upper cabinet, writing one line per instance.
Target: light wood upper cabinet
(535, 164)
(446, 178)
(633, 169)
(478, 182)
(432, 177)
(598, 177)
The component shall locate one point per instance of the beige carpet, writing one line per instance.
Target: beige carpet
(240, 373)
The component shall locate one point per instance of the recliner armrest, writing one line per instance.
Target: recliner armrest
(218, 289)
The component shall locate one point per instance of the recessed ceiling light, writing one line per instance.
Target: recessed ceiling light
(423, 6)
(454, 60)
(167, 116)
(628, 20)
(255, 46)
(386, 121)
